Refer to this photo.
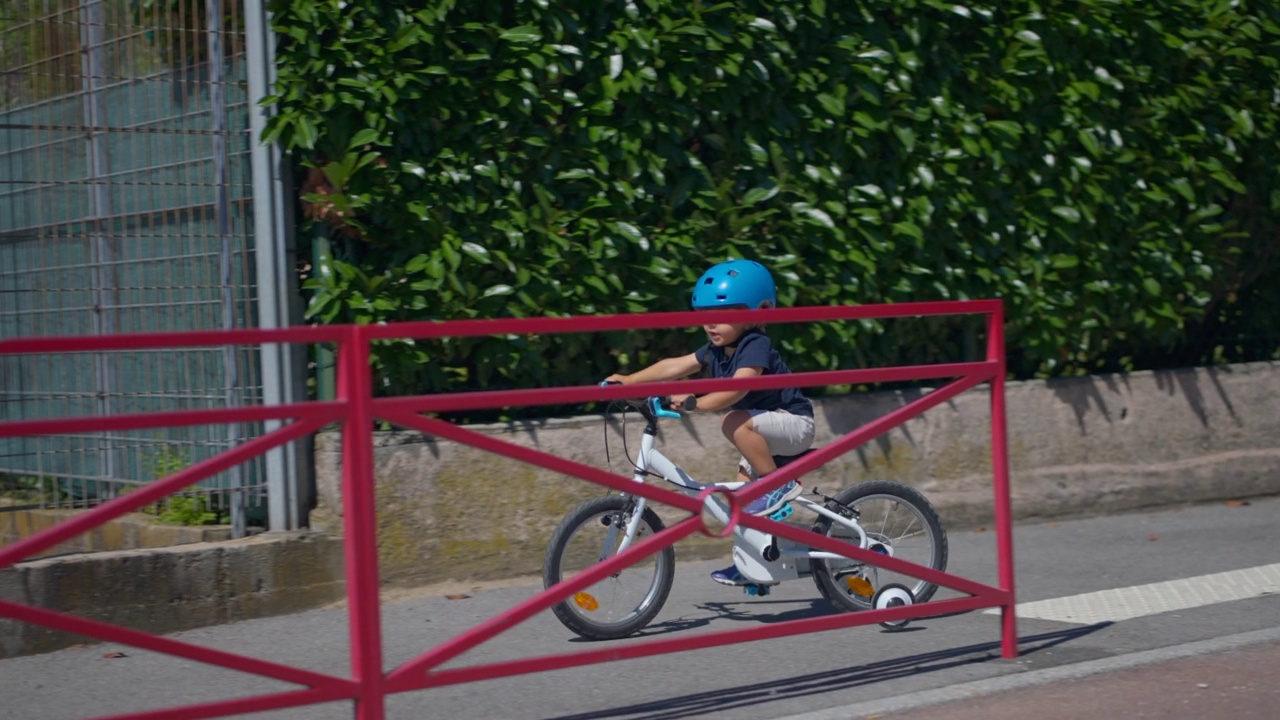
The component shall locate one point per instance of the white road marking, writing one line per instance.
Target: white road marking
(1161, 597)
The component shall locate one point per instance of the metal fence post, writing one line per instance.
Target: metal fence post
(101, 250)
(222, 222)
(286, 477)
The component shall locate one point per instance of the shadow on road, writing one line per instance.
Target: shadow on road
(750, 612)
(819, 683)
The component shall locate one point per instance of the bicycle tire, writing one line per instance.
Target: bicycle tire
(883, 506)
(599, 612)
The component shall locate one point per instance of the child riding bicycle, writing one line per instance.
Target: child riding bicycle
(760, 423)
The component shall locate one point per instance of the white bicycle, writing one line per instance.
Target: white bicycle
(881, 516)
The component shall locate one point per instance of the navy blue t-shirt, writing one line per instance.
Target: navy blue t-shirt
(755, 350)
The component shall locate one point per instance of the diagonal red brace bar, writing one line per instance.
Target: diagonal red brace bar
(440, 428)
(642, 648)
(861, 436)
(154, 491)
(543, 600)
(178, 418)
(156, 643)
(239, 706)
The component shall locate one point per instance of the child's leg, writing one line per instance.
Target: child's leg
(761, 434)
(758, 435)
(740, 429)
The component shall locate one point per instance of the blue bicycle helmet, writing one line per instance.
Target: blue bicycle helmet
(735, 283)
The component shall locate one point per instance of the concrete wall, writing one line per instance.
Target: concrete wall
(1088, 445)
(168, 589)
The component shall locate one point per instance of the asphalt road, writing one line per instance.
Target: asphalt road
(950, 664)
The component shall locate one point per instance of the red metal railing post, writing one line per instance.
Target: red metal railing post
(355, 386)
(1000, 471)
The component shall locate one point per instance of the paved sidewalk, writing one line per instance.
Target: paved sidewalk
(1198, 681)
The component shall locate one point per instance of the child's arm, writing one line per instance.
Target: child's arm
(722, 399)
(672, 368)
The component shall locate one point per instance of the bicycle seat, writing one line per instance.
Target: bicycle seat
(781, 460)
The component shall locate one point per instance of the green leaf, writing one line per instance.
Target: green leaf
(760, 194)
(1090, 143)
(417, 264)
(1069, 214)
(1008, 128)
(909, 229)
(522, 34)
(477, 252)
(832, 104)
(630, 231)
(1183, 187)
(366, 136)
(305, 133)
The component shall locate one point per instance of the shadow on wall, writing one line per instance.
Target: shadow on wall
(1171, 381)
(1111, 396)
(1082, 394)
(846, 414)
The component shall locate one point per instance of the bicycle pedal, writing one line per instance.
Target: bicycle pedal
(783, 513)
(756, 590)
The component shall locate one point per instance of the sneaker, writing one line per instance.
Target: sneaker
(730, 576)
(774, 500)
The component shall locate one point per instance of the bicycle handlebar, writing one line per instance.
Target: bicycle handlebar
(656, 405)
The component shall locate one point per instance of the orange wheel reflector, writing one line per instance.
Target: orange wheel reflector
(588, 603)
(859, 586)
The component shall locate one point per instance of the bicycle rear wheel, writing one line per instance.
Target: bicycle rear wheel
(898, 521)
(622, 603)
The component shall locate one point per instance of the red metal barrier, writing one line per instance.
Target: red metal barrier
(356, 408)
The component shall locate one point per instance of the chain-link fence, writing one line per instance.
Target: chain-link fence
(125, 206)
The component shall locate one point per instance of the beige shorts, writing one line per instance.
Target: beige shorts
(786, 434)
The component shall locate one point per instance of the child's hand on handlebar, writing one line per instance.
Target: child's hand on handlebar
(680, 403)
(684, 403)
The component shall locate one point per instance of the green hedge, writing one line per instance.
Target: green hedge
(1107, 168)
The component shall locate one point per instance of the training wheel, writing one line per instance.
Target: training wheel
(893, 595)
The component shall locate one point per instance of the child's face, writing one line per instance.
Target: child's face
(722, 334)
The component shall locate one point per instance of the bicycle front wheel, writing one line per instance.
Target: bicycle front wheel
(624, 602)
(898, 521)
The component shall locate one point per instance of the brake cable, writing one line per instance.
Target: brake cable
(626, 450)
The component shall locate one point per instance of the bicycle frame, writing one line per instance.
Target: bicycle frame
(761, 557)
